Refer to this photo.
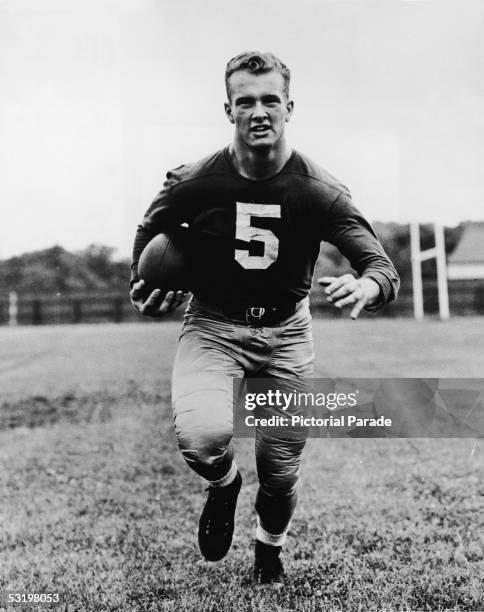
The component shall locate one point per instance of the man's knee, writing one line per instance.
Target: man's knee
(279, 484)
(202, 444)
(278, 466)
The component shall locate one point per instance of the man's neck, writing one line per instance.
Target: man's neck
(259, 164)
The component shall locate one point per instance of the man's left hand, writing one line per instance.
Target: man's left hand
(347, 290)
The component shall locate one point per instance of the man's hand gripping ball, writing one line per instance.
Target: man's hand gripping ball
(156, 304)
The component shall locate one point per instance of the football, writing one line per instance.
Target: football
(164, 263)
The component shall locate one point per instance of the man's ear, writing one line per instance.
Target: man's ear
(289, 108)
(228, 112)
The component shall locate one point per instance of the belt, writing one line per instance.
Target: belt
(259, 315)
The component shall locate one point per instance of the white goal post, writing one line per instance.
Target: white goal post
(12, 308)
(417, 256)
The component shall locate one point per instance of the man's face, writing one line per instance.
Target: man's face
(258, 107)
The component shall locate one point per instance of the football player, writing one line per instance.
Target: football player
(257, 212)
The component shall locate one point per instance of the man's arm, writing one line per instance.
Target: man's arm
(164, 213)
(350, 232)
(160, 216)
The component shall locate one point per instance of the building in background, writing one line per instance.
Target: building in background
(466, 262)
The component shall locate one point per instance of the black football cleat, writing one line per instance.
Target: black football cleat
(268, 570)
(216, 526)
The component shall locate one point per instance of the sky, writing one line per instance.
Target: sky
(99, 98)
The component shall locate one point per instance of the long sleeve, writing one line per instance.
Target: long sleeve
(162, 215)
(353, 236)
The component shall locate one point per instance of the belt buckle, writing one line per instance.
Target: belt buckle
(255, 312)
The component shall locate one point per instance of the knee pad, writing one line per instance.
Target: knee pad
(280, 484)
(202, 443)
(278, 465)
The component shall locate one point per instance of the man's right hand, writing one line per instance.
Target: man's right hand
(156, 304)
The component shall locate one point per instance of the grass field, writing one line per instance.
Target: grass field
(97, 503)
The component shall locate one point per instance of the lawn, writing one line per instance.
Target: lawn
(97, 503)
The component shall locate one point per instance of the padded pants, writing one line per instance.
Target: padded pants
(212, 351)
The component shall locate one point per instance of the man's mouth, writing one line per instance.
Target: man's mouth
(260, 129)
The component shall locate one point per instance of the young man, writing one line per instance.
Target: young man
(257, 212)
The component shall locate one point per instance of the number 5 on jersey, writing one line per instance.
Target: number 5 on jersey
(244, 230)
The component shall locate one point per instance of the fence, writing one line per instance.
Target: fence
(466, 298)
(74, 308)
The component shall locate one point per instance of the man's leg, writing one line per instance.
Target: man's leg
(278, 456)
(278, 461)
(202, 388)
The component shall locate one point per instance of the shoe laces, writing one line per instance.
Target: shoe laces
(217, 496)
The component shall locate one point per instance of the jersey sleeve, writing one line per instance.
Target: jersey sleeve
(347, 229)
(164, 213)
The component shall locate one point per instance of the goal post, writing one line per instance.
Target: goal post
(417, 256)
(12, 308)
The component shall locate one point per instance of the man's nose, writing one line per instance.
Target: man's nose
(259, 111)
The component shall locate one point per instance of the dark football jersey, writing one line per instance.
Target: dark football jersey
(256, 242)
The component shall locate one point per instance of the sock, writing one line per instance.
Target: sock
(227, 479)
(274, 540)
